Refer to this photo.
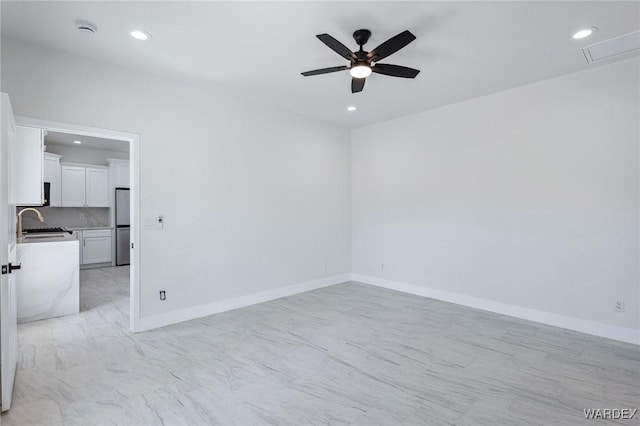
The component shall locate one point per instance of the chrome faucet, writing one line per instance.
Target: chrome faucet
(40, 217)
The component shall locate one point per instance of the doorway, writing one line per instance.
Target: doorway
(109, 273)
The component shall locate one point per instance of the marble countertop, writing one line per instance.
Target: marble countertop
(46, 238)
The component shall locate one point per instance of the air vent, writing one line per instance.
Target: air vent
(627, 45)
(86, 27)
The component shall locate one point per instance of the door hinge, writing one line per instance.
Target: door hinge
(5, 269)
(131, 245)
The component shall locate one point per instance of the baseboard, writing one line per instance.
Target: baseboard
(623, 334)
(173, 317)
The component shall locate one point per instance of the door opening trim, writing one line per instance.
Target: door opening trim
(134, 178)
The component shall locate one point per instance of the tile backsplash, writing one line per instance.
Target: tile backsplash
(67, 217)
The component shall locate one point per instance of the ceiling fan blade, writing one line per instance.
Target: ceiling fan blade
(357, 84)
(395, 70)
(325, 70)
(337, 47)
(391, 46)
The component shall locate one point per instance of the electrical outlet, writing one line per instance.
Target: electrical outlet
(81, 216)
(619, 307)
(163, 295)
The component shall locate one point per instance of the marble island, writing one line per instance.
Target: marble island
(48, 283)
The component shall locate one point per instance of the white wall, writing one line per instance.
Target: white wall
(527, 197)
(253, 199)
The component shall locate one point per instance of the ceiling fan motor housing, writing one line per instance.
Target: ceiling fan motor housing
(361, 56)
(361, 37)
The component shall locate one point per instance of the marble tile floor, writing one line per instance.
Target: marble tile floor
(346, 354)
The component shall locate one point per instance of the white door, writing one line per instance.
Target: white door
(96, 250)
(73, 186)
(8, 305)
(97, 187)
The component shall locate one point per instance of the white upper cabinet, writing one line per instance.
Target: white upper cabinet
(52, 174)
(119, 172)
(85, 186)
(122, 174)
(97, 190)
(29, 166)
(73, 186)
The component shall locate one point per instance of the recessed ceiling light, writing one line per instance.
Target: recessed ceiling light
(351, 108)
(77, 142)
(586, 32)
(360, 71)
(140, 35)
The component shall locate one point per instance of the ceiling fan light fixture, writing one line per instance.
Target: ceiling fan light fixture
(360, 71)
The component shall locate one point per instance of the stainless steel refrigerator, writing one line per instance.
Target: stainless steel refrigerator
(123, 239)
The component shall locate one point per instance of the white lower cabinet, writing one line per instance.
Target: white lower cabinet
(96, 246)
(78, 236)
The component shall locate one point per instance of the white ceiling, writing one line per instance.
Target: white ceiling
(88, 142)
(258, 49)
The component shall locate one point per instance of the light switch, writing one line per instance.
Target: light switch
(149, 222)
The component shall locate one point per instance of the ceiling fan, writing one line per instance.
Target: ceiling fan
(363, 63)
